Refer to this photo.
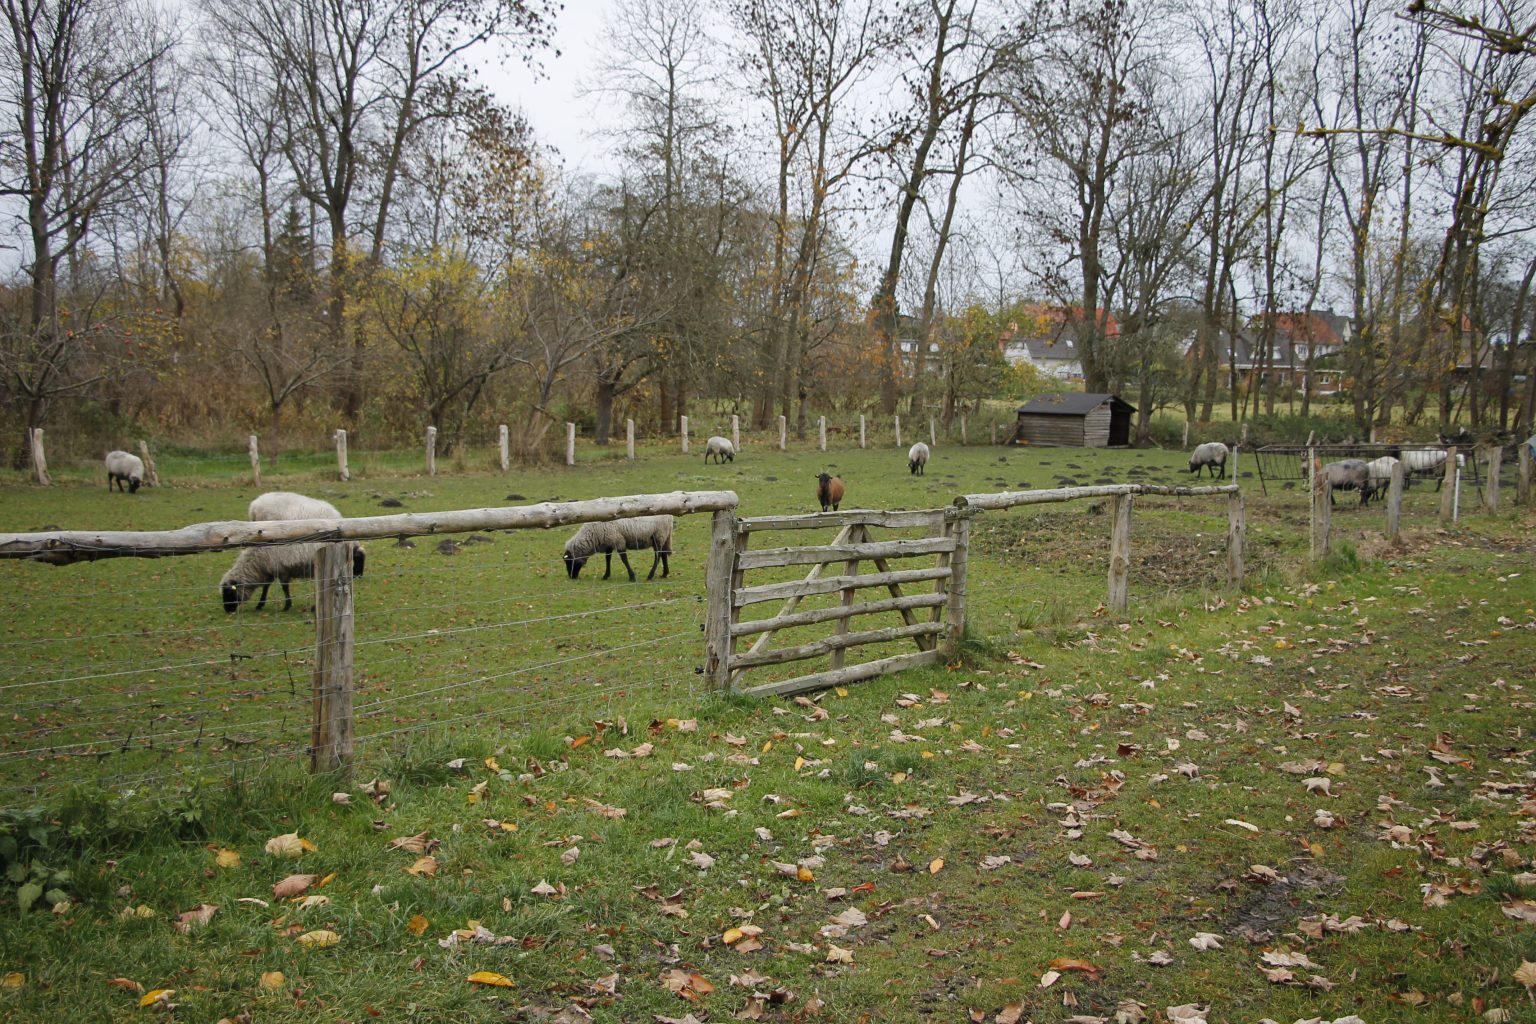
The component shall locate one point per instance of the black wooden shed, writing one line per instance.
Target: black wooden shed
(1075, 421)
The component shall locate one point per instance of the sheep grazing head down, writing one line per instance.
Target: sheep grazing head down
(573, 565)
(236, 594)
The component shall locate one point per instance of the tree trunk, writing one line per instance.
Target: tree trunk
(603, 425)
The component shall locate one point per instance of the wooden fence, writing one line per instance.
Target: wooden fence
(933, 621)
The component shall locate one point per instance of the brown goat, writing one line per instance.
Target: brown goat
(829, 491)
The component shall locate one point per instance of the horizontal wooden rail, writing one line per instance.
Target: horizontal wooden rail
(890, 604)
(64, 547)
(838, 642)
(851, 674)
(765, 558)
(829, 584)
(1012, 499)
(929, 517)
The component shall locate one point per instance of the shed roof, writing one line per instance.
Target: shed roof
(1070, 404)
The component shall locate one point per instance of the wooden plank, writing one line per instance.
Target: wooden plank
(1395, 502)
(331, 692)
(831, 584)
(851, 674)
(776, 557)
(864, 517)
(789, 605)
(62, 547)
(860, 535)
(960, 533)
(1120, 553)
(1237, 540)
(719, 576)
(835, 645)
(819, 615)
(1013, 499)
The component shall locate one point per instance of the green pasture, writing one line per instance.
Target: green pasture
(1077, 791)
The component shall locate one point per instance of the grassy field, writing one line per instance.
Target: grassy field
(1326, 778)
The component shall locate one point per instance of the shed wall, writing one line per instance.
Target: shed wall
(1059, 430)
(1096, 427)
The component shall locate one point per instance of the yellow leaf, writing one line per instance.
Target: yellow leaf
(841, 691)
(286, 845)
(799, 763)
(15, 979)
(156, 996)
(1525, 974)
(732, 935)
(492, 764)
(271, 981)
(308, 846)
(425, 867)
(328, 878)
(936, 865)
(804, 874)
(416, 925)
(579, 741)
(489, 978)
(899, 778)
(319, 939)
(927, 755)
(767, 746)
(227, 859)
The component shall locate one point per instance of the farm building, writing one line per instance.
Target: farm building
(1075, 421)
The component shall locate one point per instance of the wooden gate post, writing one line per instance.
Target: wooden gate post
(821, 431)
(255, 453)
(954, 610)
(1322, 518)
(963, 441)
(898, 431)
(629, 439)
(503, 448)
(682, 425)
(570, 444)
(1491, 489)
(431, 451)
(331, 737)
(721, 573)
(1237, 539)
(39, 460)
(1395, 502)
(151, 474)
(1523, 489)
(1119, 553)
(933, 433)
(341, 455)
(1448, 484)
(861, 431)
(736, 432)
(1185, 442)
(783, 433)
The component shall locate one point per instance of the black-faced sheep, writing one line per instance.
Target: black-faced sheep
(124, 468)
(829, 491)
(1348, 475)
(721, 448)
(917, 459)
(279, 563)
(621, 536)
(1212, 455)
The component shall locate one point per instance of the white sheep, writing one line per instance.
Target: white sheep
(1380, 471)
(621, 536)
(125, 468)
(1425, 462)
(721, 448)
(262, 566)
(1212, 454)
(917, 459)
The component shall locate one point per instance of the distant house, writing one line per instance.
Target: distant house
(1045, 338)
(1075, 421)
(1320, 335)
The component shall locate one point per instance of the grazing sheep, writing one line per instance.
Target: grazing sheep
(1425, 462)
(1212, 454)
(1381, 475)
(829, 491)
(621, 536)
(261, 567)
(125, 468)
(1348, 475)
(917, 459)
(721, 448)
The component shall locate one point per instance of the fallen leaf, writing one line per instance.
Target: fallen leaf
(1525, 974)
(198, 916)
(1206, 940)
(319, 939)
(1066, 964)
(227, 858)
(425, 867)
(1049, 978)
(1010, 1014)
(936, 865)
(288, 845)
(158, 995)
(489, 978)
(686, 984)
(417, 925)
(838, 955)
(15, 979)
(271, 981)
(293, 885)
(417, 844)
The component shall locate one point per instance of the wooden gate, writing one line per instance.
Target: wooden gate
(931, 616)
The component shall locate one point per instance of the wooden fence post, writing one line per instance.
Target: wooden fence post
(1322, 518)
(331, 737)
(994, 433)
(954, 610)
(503, 448)
(1185, 441)
(898, 431)
(1448, 484)
(1523, 489)
(39, 460)
(1237, 539)
(720, 582)
(1119, 553)
(1243, 440)
(682, 423)
(342, 472)
(736, 432)
(629, 439)
(861, 431)
(255, 453)
(570, 444)
(962, 432)
(933, 433)
(783, 433)
(1235, 450)
(151, 474)
(1491, 489)
(431, 451)
(821, 431)
(1395, 502)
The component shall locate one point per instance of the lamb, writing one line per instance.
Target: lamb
(829, 491)
(621, 535)
(125, 468)
(917, 459)
(1348, 475)
(1380, 471)
(721, 448)
(261, 566)
(1212, 454)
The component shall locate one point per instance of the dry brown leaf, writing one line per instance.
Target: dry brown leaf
(1010, 1014)
(128, 984)
(425, 867)
(294, 885)
(1525, 974)
(288, 845)
(417, 925)
(416, 844)
(198, 916)
(936, 865)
